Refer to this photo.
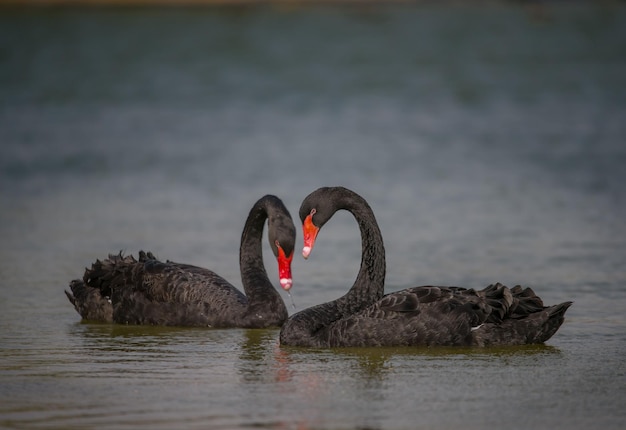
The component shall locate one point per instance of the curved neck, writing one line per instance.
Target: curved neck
(313, 326)
(369, 285)
(256, 283)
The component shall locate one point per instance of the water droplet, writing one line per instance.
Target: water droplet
(293, 305)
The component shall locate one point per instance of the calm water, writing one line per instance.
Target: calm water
(489, 140)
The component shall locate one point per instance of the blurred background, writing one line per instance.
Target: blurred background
(479, 133)
(488, 137)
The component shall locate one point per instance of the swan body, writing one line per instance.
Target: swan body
(125, 290)
(418, 316)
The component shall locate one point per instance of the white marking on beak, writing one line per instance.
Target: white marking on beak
(286, 283)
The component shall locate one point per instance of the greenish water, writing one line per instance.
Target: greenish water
(488, 139)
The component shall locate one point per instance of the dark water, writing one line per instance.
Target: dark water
(490, 140)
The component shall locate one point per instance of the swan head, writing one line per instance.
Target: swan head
(282, 238)
(316, 209)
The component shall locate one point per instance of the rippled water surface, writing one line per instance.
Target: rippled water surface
(488, 139)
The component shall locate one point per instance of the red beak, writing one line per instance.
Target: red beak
(284, 268)
(310, 234)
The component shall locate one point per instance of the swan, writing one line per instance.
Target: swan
(418, 316)
(121, 289)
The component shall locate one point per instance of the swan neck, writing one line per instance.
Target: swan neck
(370, 282)
(256, 283)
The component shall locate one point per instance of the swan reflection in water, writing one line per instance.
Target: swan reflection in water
(310, 386)
(243, 377)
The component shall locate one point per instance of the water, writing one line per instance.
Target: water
(488, 139)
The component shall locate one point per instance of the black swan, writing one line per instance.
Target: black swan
(147, 291)
(419, 316)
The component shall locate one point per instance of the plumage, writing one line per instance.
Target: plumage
(122, 289)
(418, 316)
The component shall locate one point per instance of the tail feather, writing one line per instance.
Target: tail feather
(550, 322)
(518, 316)
(90, 304)
(533, 328)
(91, 296)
